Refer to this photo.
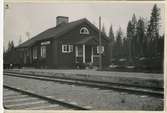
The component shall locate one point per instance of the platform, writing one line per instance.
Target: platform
(128, 78)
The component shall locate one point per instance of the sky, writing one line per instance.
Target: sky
(20, 18)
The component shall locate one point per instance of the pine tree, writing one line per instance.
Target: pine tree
(129, 39)
(10, 46)
(111, 34)
(153, 32)
(111, 44)
(134, 24)
(125, 48)
(161, 46)
(103, 29)
(134, 30)
(140, 37)
(118, 43)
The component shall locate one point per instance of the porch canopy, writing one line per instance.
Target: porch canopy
(86, 48)
(90, 40)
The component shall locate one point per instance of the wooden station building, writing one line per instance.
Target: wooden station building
(64, 46)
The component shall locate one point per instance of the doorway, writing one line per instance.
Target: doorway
(88, 53)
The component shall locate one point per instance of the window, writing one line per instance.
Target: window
(94, 50)
(67, 48)
(100, 49)
(34, 53)
(84, 30)
(43, 51)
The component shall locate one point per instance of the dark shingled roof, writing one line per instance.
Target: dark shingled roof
(54, 32)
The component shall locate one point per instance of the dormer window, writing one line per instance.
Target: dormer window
(84, 30)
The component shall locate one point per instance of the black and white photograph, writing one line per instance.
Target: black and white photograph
(83, 56)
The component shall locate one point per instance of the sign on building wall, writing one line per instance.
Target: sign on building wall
(45, 43)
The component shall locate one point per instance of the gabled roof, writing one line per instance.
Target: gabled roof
(56, 32)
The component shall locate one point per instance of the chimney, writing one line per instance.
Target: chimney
(61, 19)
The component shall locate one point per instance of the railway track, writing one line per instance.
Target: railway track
(15, 98)
(113, 86)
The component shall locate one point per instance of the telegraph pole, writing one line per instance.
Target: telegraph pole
(100, 48)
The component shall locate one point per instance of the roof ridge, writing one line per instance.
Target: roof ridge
(55, 32)
(33, 39)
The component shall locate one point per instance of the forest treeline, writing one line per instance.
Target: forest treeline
(142, 46)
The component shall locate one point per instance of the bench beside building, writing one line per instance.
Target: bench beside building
(64, 46)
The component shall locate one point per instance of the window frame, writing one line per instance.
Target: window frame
(34, 53)
(67, 48)
(98, 52)
(43, 51)
(80, 51)
(86, 31)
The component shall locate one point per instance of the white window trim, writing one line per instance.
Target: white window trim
(70, 48)
(63, 46)
(42, 52)
(34, 52)
(77, 51)
(85, 29)
(98, 49)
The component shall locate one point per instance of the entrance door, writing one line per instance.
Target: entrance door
(88, 54)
